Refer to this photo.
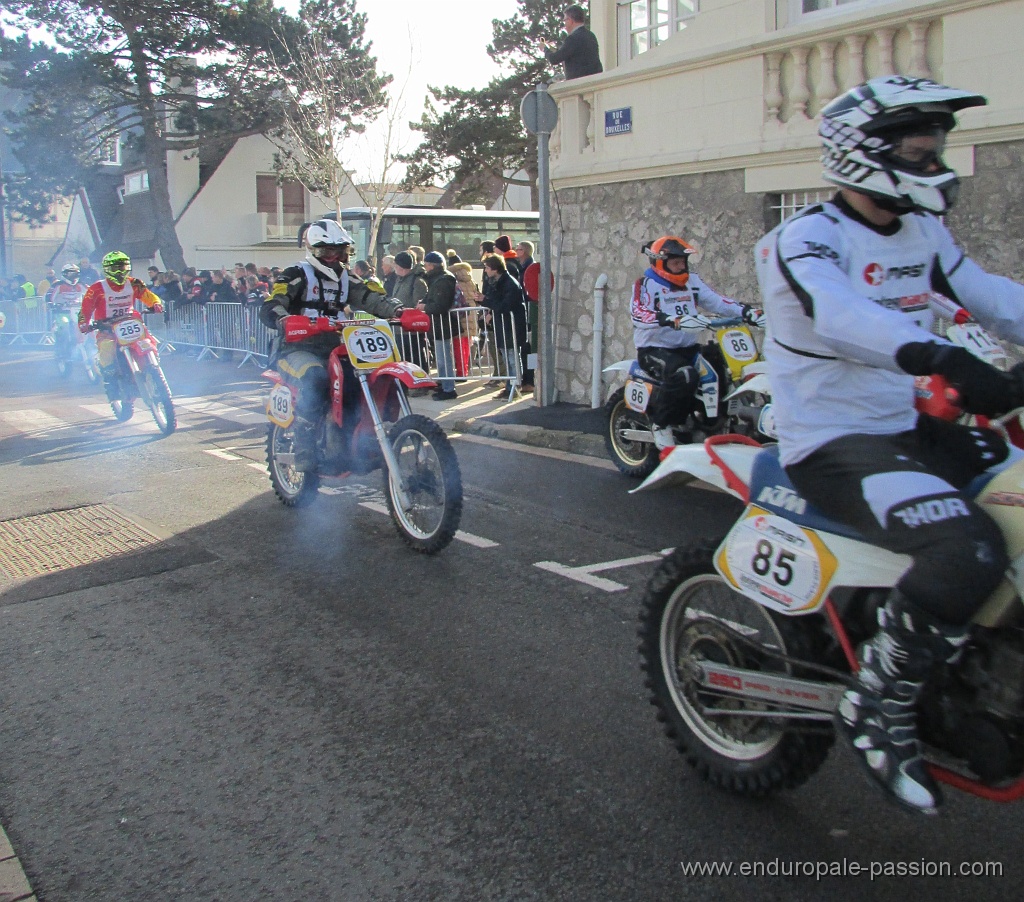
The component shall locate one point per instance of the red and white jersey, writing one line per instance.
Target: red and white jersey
(106, 301)
(66, 294)
(652, 293)
(841, 296)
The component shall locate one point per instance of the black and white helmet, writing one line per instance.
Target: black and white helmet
(323, 239)
(862, 132)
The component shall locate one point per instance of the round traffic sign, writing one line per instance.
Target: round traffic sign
(539, 111)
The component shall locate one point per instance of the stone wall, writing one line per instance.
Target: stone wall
(600, 229)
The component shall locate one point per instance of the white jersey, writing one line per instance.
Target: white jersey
(841, 297)
(652, 293)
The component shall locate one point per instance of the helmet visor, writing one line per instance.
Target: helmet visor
(331, 253)
(919, 150)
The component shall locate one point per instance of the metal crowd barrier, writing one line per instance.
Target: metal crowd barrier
(26, 322)
(469, 343)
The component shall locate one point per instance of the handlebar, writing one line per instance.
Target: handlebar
(299, 328)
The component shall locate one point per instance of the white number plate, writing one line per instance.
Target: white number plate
(973, 337)
(128, 331)
(780, 565)
(370, 346)
(279, 406)
(738, 344)
(637, 395)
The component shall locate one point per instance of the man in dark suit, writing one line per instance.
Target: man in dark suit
(578, 53)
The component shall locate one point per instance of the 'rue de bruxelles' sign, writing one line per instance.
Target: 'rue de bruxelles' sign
(618, 122)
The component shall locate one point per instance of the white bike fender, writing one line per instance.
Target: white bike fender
(623, 366)
(691, 462)
(758, 383)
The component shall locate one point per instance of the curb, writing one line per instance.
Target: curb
(13, 883)
(537, 436)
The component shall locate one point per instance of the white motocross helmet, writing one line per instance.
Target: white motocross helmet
(322, 239)
(861, 132)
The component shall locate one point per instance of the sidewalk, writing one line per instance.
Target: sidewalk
(562, 427)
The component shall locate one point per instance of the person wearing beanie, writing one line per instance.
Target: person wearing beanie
(503, 246)
(410, 288)
(452, 257)
(466, 295)
(438, 303)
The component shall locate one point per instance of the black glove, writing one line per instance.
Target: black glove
(752, 316)
(664, 320)
(983, 389)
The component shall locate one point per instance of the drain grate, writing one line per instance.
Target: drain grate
(60, 540)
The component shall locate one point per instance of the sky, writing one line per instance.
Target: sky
(421, 42)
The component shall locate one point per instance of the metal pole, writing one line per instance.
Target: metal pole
(546, 333)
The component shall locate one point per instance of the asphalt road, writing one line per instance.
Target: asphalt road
(279, 704)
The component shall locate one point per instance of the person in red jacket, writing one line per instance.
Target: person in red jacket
(113, 297)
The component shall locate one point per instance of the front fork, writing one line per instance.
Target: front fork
(382, 438)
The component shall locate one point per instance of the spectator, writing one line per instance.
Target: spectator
(45, 283)
(579, 53)
(221, 289)
(170, 289)
(256, 292)
(200, 293)
(504, 296)
(87, 272)
(387, 268)
(466, 295)
(486, 247)
(237, 280)
(439, 300)
(417, 252)
(452, 258)
(364, 269)
(25, 288)
(275, 274)
(524, 257)
(154, 272)
(265, 275)
(503, 246)
(410, 289)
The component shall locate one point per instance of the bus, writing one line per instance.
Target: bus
(437, 230)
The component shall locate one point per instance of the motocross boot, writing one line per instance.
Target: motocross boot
(304, 444)
(110, 382)
(663, 437)
(877, 715)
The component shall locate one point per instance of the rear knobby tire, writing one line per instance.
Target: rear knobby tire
(433, 482)
(295, 488)
(751, 756)
(633, 458)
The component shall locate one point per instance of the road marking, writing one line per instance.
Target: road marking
(584, 459)
(222, 453)
(586, 576)
(261, 467)
(222, 411)
(144, 423)
(34, 422)
(467, 537)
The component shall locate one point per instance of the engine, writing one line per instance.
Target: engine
(974, 708)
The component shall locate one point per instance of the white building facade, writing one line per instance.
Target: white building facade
(703, 125)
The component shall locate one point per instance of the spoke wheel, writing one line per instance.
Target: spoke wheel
(160, 403)
(293, 487)
(689, 615)
(429, 470)
(633, 458)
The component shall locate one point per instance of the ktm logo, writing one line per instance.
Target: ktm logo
(874, 274)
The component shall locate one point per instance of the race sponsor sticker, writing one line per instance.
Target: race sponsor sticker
(128, 331)
(637, 395)
(778, 564)
(279, 406)
(370, 345)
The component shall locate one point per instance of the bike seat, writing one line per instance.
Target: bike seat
(772, 489)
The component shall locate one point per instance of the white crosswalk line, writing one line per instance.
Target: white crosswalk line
(34, 421)
(221, 453)
(223, 411)
(141, 420)
(467, 537)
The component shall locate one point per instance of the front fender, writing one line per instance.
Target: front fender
(691, 463)
(758, 384)
(410, 375)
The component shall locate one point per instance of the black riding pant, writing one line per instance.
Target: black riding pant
(903, 493)
(672, 402)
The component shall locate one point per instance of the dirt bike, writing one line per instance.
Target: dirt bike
(70, 345)
(748, 642)
(138, 373)
(375, 429)
(742, 404)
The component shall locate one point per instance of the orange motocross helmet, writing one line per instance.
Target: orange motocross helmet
(659, 250)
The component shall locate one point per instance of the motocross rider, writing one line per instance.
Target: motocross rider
(319, 286)
(66, 293)
(666, 292)
(113, 297)
(846, 286)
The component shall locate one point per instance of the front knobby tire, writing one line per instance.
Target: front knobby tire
(160, 403)
(294, 488)
(122, 410)
(684, 604)
(433, 483)
(633, 458)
